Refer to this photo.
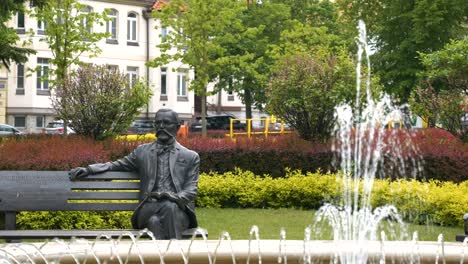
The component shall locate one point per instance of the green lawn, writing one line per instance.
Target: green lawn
(238, 223)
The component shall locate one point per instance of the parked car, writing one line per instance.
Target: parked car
(141, 127)
(57, 128)
(196, 125)
(277, 127)
(7, 130)
(218, 122)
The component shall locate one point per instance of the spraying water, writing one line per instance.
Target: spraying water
(361, 141)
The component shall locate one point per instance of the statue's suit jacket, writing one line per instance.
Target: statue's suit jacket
(184, 167)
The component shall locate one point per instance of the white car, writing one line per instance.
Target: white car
(7, 130)
(57, 128)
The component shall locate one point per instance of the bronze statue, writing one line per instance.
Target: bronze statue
(168, 176)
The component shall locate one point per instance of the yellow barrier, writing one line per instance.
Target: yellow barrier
(266, 131)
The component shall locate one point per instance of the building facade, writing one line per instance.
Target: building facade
(25, 98)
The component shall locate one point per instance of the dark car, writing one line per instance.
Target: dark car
(141, 127)
(218, 122)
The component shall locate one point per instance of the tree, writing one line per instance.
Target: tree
(441, 95)
(305, 88)
(9, 50)
(99, 101)
(68, 33)
(400, 29)
(249, 72)
(196, 30)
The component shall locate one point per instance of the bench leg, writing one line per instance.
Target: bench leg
(10, 224)
(10, 220)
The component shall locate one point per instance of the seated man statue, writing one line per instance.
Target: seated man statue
(168, 180)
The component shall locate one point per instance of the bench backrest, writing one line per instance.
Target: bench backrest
(53, 191)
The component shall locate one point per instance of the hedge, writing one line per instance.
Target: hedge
(443, 157)
(434, 202)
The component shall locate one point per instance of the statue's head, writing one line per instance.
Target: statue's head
(167, 123)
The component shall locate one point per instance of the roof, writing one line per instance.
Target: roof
(158, 4)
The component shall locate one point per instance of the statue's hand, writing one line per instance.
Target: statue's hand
(169, 195)
(173, 198)
(78, 173)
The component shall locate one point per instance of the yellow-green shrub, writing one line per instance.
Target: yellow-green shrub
(434, 202)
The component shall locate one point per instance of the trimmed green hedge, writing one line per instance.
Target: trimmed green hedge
(433, 202)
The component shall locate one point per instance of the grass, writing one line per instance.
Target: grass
(238, 222)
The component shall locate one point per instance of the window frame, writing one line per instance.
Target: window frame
(163, 79)
(182, 83)
(20, 79)
(164, 32)
(112, 25)
(132, 74)
(43, 64)
(20, 29)
(41, 27)
(86, 10)
(43, 121)
(132, 27)
(15, 124)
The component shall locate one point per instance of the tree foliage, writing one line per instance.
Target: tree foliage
(441, 97)
(69, 34)
(400, 29)
(249, 72)
(10, 51)
(305, 88)
(196, 30)
(100, 102)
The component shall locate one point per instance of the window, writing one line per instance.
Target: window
(163, 32)
(111, 26)
(42, 72)
(132, 73)
(182, 83)
(85, 11)
(230, 96)
(20, 23)
(132, 27)
(230, 87)
(163, 81)
(41, 27)
(40, 121)
(20, 79)
(112, 67)
(20, 121)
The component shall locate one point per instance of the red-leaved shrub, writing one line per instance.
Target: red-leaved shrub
(50, 153)
(443, 156)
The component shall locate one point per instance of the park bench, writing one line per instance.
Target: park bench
(53, 191)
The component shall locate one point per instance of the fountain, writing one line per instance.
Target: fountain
(360, 141)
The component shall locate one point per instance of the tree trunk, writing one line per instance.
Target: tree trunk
(203, 114)
(219, 106)
(248, 102)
